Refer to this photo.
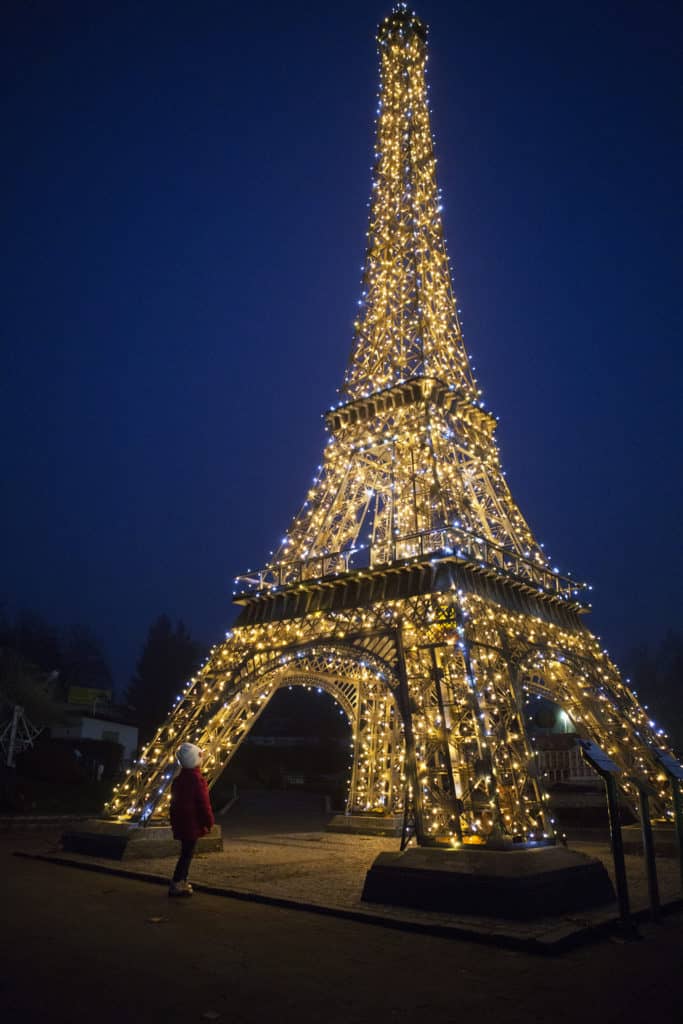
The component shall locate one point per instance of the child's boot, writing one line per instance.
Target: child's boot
(179, 889)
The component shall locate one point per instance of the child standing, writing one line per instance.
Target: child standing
(191, 813)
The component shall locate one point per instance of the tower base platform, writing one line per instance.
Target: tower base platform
(366, 824)
(118, 840)
(519, 884)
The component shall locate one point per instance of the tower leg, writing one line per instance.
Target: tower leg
(412, 773)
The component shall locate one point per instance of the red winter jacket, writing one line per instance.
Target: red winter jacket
(191, 813)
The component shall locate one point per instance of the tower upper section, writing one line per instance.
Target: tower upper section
(411, 468)
(407, 324)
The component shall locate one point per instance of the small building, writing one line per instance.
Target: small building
(99, 720)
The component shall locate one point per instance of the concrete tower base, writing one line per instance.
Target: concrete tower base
(123, 841)
(519, 884)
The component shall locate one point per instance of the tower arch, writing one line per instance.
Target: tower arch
(601, 707)
(362, 683)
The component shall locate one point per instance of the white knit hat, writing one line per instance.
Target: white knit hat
(189, 755)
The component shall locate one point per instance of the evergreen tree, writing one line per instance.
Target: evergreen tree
(23, 684)
(169, 658)
(83, 660)
(71, 657)
(657, 675)
(34, 639)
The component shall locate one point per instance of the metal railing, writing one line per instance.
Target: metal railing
(452, 542)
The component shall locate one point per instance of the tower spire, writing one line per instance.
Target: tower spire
(407, 324)
(411, 465)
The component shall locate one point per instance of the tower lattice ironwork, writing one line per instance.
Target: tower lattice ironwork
(409, 585)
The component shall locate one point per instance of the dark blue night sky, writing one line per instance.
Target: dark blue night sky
(184, 201)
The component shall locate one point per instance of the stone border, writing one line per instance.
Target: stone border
(559, 940)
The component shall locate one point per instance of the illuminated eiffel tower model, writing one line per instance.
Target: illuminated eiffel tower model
(409, 585)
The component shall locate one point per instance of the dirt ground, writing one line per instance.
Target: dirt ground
(80, 946)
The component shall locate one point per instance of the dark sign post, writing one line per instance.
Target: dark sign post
(674, 769)
(645, 791)
(607, 769)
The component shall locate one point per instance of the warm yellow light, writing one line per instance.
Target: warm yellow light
(411, 481)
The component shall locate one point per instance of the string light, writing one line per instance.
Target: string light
(433, 684)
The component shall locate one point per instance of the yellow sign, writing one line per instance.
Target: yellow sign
(87, 695)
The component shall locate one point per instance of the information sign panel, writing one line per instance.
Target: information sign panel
(598, 758)
(670, 764)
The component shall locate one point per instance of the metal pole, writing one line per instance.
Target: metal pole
(649, 853)
(607, 769)
(674, 770)
(618, 852)
(13, 735)
(678, 818)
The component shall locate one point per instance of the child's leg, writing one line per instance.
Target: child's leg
(183, 865)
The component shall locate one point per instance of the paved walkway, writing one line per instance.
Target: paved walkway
(82, 947)
(286, 858)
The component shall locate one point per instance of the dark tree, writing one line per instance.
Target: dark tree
(34, 639)
(169, 658)
(657, 677)
(73, 657)
(24, 684)
(83, 660)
